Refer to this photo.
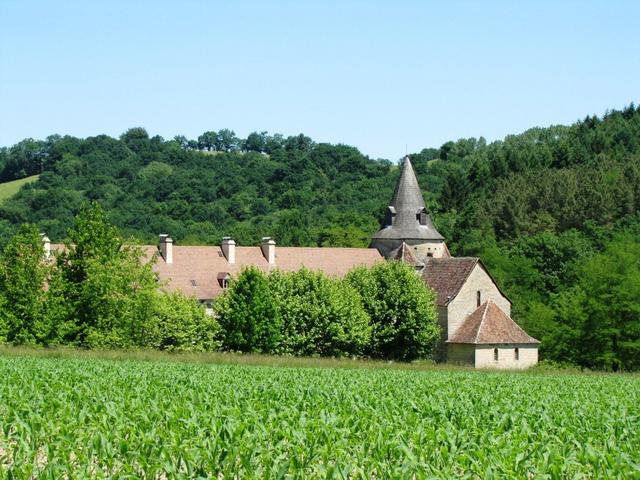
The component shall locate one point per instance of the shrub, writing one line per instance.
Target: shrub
(180, 324)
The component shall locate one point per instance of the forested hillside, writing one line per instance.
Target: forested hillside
(553, 211)
(297, 191)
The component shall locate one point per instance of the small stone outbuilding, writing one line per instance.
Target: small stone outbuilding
(489, 338)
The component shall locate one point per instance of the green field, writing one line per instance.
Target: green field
(9, 189)
(82, 416)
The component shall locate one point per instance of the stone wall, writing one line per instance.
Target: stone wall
(485, 356)
(466, 302)
(424, 249)
(421, 248)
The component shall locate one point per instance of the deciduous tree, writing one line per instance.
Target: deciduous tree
(402, 310)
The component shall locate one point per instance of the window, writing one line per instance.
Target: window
(495, 354)
(223, 279)
(516, 354)
(430, 254)
(478, 298)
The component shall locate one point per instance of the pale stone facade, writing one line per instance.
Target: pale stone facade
(526, 356)
(466, 301)
(435, 249)
(508, 357)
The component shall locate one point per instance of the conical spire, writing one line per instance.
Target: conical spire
(407, 217)
(407, 194)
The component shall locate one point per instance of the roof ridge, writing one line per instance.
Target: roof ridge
(482, 319)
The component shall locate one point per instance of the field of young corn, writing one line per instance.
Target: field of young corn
(83, 417)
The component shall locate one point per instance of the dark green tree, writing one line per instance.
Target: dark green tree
(227, 140)
(248, 314)
(256, 142)
(137, 139)
(598, 320)
(208, 141)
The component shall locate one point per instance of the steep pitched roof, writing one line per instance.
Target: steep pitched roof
(447, 275)
(404, 254)
(488, 324)
(406, 204)
(196, 270)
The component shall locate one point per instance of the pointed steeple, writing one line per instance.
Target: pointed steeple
(407, 217)
(407, 194)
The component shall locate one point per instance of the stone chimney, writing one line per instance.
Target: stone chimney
(46, 245)
(166, 248)
(229, 249)
(268, 248)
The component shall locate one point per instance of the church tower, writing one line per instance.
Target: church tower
(408, 222)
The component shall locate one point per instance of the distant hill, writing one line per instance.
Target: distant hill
(538, 206)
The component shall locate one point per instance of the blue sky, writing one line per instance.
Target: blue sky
(376, 75)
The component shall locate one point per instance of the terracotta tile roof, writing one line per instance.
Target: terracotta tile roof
(490, 325)
(447, 275)
(197, 270)
(404, 254)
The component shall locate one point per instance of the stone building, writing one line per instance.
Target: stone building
(473, 312)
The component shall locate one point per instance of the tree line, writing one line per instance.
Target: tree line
(100, 292)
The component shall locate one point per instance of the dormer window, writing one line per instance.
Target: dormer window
(421, 216)
(223, 279)
(391, 216)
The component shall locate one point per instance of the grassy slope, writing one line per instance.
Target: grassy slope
(80, 416)
(9, 189)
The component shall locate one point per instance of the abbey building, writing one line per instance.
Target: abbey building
(473, 312)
